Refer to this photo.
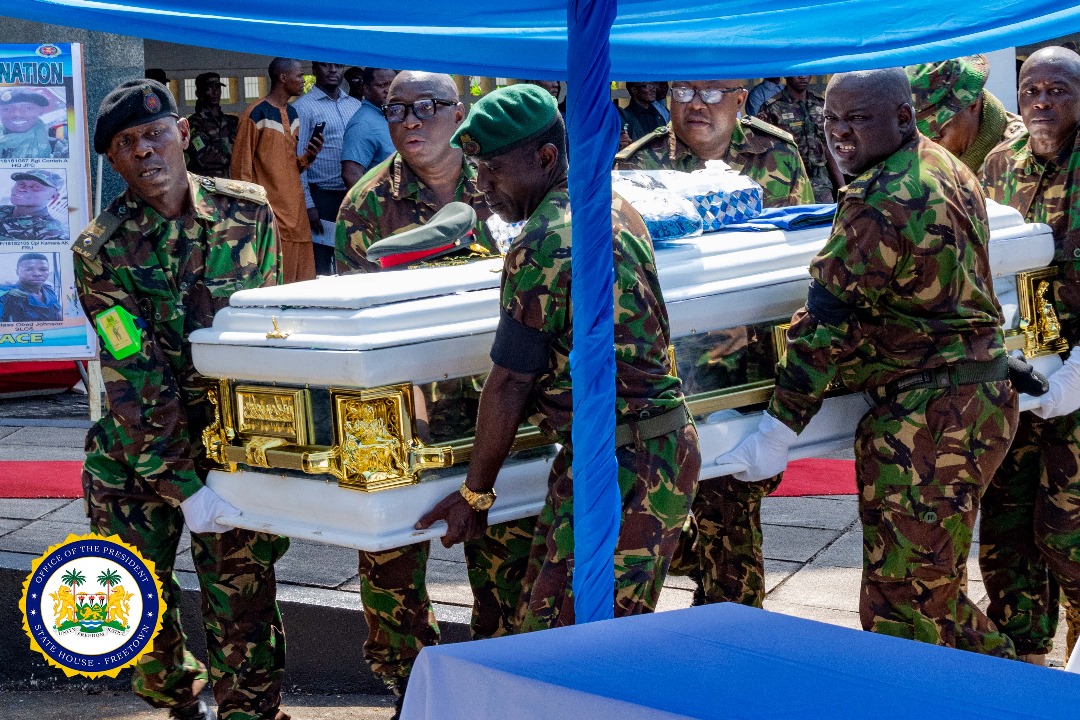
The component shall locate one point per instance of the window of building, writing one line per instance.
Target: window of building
(189, 91)
(253, 88)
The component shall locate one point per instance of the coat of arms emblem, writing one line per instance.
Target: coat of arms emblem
(92, 605)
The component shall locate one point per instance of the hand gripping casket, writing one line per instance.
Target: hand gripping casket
(344, 407)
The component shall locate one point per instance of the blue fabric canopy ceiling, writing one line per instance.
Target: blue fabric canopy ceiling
(650, 39)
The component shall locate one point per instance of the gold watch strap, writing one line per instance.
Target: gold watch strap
(473, 498)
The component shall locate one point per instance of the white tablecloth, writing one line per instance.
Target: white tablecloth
(726, 661)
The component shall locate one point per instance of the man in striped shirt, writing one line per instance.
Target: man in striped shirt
(323, 188)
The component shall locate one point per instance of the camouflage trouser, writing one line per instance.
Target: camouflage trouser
(822, 184)
(657, 479)
(245, 638)
(398, 610)
(1030, 531)
(923, 460)
(721, 550)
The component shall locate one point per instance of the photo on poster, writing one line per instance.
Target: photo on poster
(33, 122)
(28, 288)
(33, 207)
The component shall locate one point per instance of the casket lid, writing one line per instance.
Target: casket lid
(345, 293)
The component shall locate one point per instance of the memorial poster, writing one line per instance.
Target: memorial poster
(44, 201)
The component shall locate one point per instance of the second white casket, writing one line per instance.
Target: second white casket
(331, 393)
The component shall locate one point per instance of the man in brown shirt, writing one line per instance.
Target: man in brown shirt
(265, 153)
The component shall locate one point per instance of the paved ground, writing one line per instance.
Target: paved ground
(117, 705)
(812, 549)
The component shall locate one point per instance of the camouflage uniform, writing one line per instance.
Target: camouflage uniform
(805, 121)
(145, 456)
(765, 154)
(33, 143)
(903, 286)
(17, 305)
(212, 137)
(941, 90)
(1030, 528)
(38, 225)
(656, 477)
(723, 551)
(390, 198)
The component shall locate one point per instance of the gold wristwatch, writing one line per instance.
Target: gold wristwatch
(478, 501)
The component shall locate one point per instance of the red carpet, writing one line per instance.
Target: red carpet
(22, 379)
(37, 479)
(62, 479)
(814, 476)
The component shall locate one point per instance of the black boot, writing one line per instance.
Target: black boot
(398, 687)
(196, 710)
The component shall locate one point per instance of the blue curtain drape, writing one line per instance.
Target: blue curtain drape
(594, 135)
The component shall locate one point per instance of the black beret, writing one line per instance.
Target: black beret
(131, 103)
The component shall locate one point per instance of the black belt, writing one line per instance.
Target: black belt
(966, 372)
(649, 427)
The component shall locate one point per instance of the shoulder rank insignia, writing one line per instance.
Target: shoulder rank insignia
(96, 233)
(237, 189)
(758, 125)
(628, 152)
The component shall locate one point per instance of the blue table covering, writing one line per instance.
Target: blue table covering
(726, 661)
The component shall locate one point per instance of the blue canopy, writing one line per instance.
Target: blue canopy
(556, 39)
(650, 39)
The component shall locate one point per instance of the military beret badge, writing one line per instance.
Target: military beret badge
(468, 145)
(150, 100)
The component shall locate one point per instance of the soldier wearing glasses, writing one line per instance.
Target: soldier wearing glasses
(722, 551)
(705, 126)
(416, 181)
(404, 191)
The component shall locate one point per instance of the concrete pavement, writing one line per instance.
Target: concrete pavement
(812, 549)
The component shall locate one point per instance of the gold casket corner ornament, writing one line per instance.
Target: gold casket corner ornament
(1039, 323)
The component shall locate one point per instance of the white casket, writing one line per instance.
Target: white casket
(321, 384)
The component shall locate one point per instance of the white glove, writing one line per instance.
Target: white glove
(202, 510)
(765, 453)
(1064, 394)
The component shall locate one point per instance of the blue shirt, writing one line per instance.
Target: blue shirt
(367, 137)
(761, 92)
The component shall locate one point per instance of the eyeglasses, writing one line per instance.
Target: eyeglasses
(421, 109)
(709, 96)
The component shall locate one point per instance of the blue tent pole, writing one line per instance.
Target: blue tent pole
(593, 132)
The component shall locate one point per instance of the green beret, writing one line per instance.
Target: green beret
(44, 177)
(131, 103)
(506, 119)
(448, 230)
(941, 90)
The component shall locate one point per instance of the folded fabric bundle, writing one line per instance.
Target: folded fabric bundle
(679, 204)
(667, 216)
(795, 217)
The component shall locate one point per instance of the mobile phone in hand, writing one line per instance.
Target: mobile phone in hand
(318, 131)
